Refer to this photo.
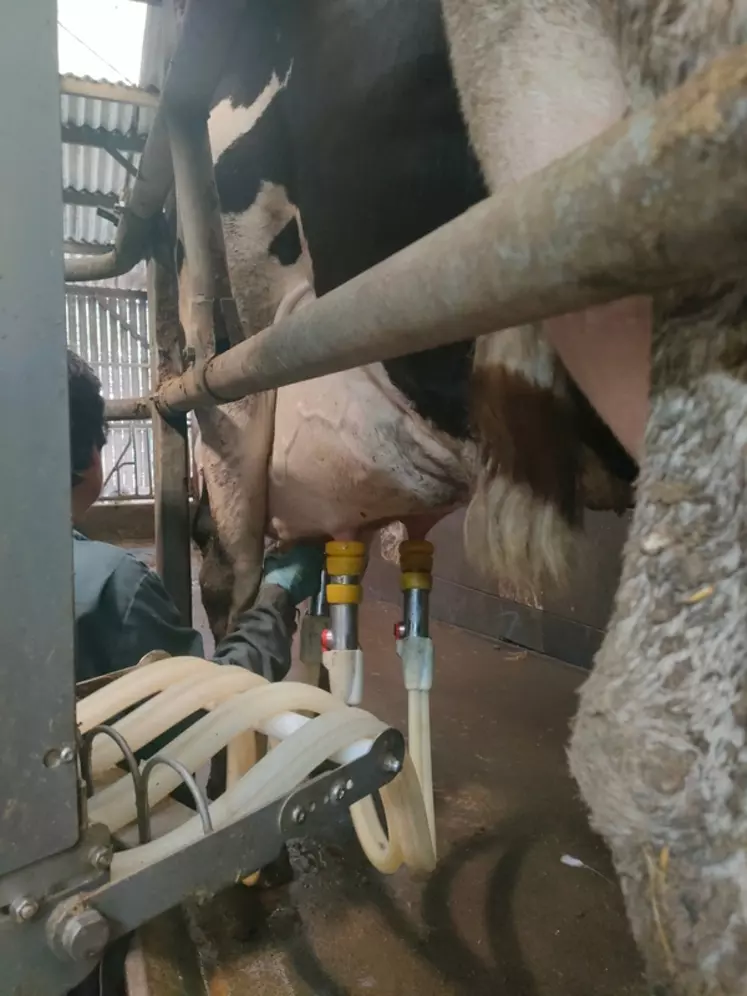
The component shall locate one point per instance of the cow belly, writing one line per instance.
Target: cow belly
(349, 453)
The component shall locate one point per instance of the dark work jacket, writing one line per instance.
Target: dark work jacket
(123, 611)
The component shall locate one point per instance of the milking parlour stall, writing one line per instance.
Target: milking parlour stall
(329, 300)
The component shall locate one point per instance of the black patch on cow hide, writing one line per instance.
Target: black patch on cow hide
(179, 256)
(368, 140)
(286, 246)
(437, 382)
(596, 434)
(258, 53)
(382, 157)
(259, 155)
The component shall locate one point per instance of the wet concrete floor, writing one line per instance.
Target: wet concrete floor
(502, 915)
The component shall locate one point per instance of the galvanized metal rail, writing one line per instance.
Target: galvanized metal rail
(656, 201)
(128, 409)
(625, 214)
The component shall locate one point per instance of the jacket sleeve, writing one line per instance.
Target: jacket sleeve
(261, 641)
(149, 618)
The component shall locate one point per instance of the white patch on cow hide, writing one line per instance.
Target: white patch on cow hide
(228, 122)
(390, 538)
(259, 280)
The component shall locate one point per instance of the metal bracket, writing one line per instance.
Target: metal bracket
(74, 868)
(324, 800)
(138, 777)
(189, 780)
(207, 865)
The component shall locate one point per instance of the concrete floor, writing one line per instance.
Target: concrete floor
(501, 915)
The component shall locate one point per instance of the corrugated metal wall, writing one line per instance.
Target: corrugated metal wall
(108, 327)
(568, 624)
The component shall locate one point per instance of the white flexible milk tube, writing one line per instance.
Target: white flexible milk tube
(241, 702)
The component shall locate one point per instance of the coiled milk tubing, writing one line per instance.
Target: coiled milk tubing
(242, 704)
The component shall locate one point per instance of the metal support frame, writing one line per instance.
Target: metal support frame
(102, 139)
(73, 86)
(43, 955)
(78, 248)
(197, 203)
(121, 159)
(38, 779)
(89, 198)
(171, 452)
(207, 33)
(65, 901)
(128, 409)
(211, 311)
(315, 621)
(623, 215)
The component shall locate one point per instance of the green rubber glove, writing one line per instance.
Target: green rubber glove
(297, 571)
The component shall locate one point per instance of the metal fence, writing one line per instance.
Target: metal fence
(108, 327)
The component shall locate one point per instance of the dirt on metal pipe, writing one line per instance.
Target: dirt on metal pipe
(657, 200)
(197, 205)
(127, 409)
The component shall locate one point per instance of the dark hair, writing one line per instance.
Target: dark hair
(87, 422)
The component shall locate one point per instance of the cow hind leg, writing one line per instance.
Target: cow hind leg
(216, 571)
(659, 746)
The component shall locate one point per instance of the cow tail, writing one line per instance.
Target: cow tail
(521, 521)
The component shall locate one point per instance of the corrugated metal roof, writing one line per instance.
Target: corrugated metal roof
(112, 116)
(90, 169)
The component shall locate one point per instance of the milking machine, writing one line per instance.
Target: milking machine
(139, 852)
(315, 621)
(415, 650)
(341, 653)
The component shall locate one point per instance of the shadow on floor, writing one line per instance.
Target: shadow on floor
(501, 915)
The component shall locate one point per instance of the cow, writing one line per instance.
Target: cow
(337, 139)
(658, 747)
(354, 128)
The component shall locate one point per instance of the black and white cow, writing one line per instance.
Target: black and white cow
(338, 137)
(337, 140)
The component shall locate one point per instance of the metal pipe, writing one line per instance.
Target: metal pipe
(199, 797)
(655, 201)
(38, 776)
(170, 445)
(196, 201)
(141, 798)
(318, 606)
(208, 31)
(127, 409)
(140, 215)
(343, 621)
(415, 610)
